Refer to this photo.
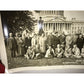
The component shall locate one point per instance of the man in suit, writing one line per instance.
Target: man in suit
(80, 42)
(55, 40)
(11, 45)
(16, 44)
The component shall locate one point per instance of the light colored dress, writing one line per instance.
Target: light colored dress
(42, 42)
(29, 54)
(68, 52)
(68, 40)
(76, 52)
(33, 42)
(49, 53)
(59, 52)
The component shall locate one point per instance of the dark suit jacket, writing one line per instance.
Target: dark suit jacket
(10, 43)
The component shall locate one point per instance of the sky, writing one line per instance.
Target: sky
(79, 15)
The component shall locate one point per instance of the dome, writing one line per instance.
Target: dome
(51, 12)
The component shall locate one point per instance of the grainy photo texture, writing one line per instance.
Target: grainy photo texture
(43, 38)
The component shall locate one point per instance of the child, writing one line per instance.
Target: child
(68, 51)
(76, 51)
(59, 51)
(49, 52)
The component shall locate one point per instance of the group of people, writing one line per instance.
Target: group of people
(45, 45)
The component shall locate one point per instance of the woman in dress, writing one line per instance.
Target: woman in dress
(21, 50)
(76, 51)
(50, 52)
(68, 51)
(59, 51)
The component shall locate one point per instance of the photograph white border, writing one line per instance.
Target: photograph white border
(36, 68)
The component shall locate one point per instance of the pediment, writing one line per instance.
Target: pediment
(60, 19)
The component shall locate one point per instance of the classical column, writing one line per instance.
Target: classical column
(55, 26)
(52, 27)
(45, 26)
(58, 26)
(82, 29)
(64, 26)
(69, 27)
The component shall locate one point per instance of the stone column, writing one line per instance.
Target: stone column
(51, 26)
(45, 26)
(58, 26)
(55, 26)
(64, 26)
(69, 27)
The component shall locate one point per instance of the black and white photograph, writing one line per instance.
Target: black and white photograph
(43, 37)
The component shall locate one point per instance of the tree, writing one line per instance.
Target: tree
(18, 20)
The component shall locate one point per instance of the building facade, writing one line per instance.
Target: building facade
(55, 21)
